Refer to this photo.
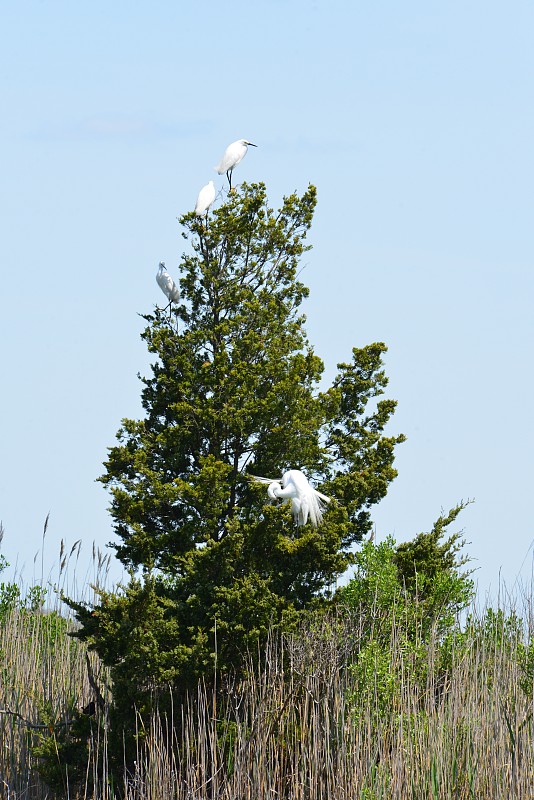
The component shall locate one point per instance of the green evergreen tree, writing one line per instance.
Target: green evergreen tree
(234, 392)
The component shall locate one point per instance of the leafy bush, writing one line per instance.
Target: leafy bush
(407, 599)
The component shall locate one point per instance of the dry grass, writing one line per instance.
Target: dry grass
(295, 734)
(294, 728)
(43, 672)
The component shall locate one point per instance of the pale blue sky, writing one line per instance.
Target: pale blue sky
(414, 120)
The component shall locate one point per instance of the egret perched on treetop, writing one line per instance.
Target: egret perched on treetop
(305, 500)
(233, 154)
(167, 285)
(205, 198)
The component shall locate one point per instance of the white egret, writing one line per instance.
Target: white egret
(233, 154)
(305, 500)
(205, 199)
(167, 285)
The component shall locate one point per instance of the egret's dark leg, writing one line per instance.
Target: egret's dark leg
(229, 176)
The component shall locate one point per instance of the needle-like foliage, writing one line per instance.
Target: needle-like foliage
(234, 391)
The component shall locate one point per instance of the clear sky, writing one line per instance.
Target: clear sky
(414, 120)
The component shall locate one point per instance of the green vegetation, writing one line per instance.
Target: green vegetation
(411, 594)
(233, 393)
(227, 666)
(350, 704)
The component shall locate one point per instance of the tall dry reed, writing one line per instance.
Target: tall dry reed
(297, 726)
(44, 673)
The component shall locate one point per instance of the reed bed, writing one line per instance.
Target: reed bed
(296, 725)
(44, 673)
(294, 729)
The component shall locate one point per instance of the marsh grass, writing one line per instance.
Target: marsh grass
(44, 673)
(296, 726)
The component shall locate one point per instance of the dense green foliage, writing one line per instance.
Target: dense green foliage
(234, 391)
(328, 690)
(388, 690)
(316, 712)
(408, 595)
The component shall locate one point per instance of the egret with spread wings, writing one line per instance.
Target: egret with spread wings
(306, 502)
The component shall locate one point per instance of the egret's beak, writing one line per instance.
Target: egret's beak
(252, 145)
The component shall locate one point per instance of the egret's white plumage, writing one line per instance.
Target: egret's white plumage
(205, 199)
(167, 285)
(306, 502)
(233, 154)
